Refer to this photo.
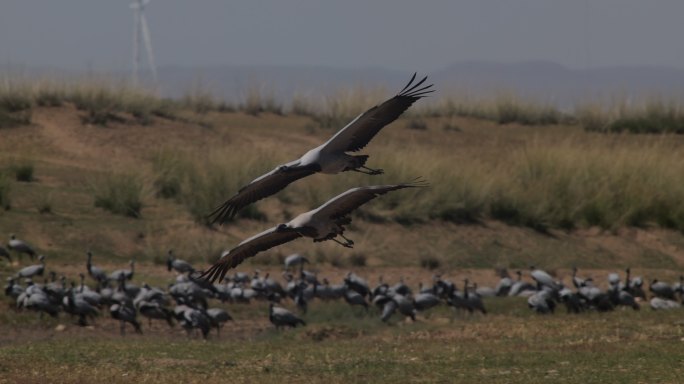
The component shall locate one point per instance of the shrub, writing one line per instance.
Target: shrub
(199, 100)
(15, 100)
(651, 117)
(511, 110)
(24, 172)
(170, 167)
(257, 100)
(45, 204)
(120, 194)
(429, 262)
(15, 108)
(302, 107)
(5, 187)
(450, 127)
(357, 260)
(417, 124)
(99, 104)
(47, 97)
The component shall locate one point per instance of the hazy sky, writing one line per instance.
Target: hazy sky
(405, 35)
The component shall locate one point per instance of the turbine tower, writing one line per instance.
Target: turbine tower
(140, 31)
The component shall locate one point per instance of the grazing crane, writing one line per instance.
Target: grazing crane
(273, 288)
(626, 299)
(20, 247)
(98, 274)
(76, 305)
(294, 260)
(542, 302)
(635, 285)
(191, 318)
(662, 289)
(678, 287)
(126, 314)
(381, 288)
(505, 284)
(357, 283)
(40, 301)
(658, 303)
(520, 287)
(155, 310)
(484, 291)
(180, 266)
(401, 287)
(218, 317)
(573, 302)
(12, 289)
(404, 305)
(281, 317)
(473, 300)
(594, 297)
(92, 297)
(126, 273)
(577, 281)
(331, 156)
(352, 298)
(323, 223)
(425, 300)
(388, 309)
(543, 279)
(33, 270)
(326, 291)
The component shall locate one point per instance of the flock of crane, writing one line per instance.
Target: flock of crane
(191, 291)
(186, 301)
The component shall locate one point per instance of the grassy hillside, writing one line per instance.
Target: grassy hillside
(129, 175)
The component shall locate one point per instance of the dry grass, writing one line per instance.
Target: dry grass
(119, 193)
(506, 108)
(653, 116)
(5, 188)
(546, 178)
(510, 345)
(561, 181)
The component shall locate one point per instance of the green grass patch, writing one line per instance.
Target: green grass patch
(339, 345)
(119, 193)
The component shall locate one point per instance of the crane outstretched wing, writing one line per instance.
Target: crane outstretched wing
(261, 187)
(356, 135)
(345, 203)
(258, 243)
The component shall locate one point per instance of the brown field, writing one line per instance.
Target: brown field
(466, 166)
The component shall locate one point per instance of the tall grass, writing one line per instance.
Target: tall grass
(101, 101)
(259, 99)
(119, 193)
(202, 182)
(572, 184)
(652, 116)
(24, 172)
(15, 105)
(5, 187)
(341, 107)
(504, 108)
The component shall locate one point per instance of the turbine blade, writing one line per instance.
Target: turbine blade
(148, 46)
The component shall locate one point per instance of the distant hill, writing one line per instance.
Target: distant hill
(538, 80)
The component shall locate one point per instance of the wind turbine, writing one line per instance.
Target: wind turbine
(140, 30)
